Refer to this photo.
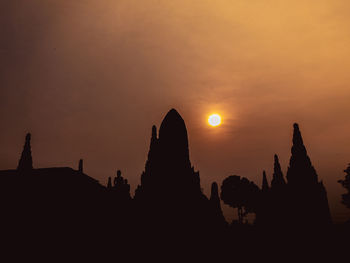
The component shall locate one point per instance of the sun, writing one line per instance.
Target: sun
(214, 120)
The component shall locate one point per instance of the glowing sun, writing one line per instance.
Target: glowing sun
(214, 120)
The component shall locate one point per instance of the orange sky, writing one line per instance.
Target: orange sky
(88, 78)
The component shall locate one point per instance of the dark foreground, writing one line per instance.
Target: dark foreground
(62, 214)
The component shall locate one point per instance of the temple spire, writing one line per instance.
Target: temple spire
(265, 184)
(300, 170)
(306, 194)
(297, 138)
(277, 178)
(80, 166)
(214, 195)
(26, 161)
(109, 183)
(214, 200)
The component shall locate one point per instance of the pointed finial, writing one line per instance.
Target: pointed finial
(300, 170)
(214, 196)
(28, 137)
(297, 138)
(80, 166)
(214, 190)
(277, 178)
(26, 163)
(109, 184)
(277, 167)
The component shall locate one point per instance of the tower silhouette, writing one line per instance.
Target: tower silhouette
(300, 171)
(25, 163)
(217, 216)
(277, 178)
(170, 187)
(168, 171)
(307, 197)
(265, 184)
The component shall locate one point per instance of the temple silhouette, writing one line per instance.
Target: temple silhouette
(170, 186)
(168, 203)
(302, 200)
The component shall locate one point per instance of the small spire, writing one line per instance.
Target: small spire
(26, 161)
(119, 180)
(109, 184)
(81, 166)
(277, 178)
(300, 170)
(297, 138)
(214, 195)
(265, 185)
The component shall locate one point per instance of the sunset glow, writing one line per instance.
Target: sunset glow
(105, 71)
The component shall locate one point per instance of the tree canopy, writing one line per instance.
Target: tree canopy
(239, 192)
(346, 184)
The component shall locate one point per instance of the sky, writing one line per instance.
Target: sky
(89, 78)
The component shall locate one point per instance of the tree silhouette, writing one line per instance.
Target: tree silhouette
(346, 184)
(238, 192)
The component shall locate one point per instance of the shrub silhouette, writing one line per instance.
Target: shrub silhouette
(346, 184)
(238, 192)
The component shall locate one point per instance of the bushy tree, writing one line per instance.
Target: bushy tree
(346, 184)
(238, 192)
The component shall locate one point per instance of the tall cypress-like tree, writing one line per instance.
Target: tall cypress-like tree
(25, 164)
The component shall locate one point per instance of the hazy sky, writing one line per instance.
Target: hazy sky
(89, 78)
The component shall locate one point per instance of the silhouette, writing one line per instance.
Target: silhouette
(25, 164)
(169, 212)
(265, 204)
(168, 159)
(302, 202)
(265, 184)
(170, 193)
(217, 217)
(278, 206)
(121, 188)
(80, 169)
(277, 179)
(49, 203)
(240, 193)
(307, 197)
